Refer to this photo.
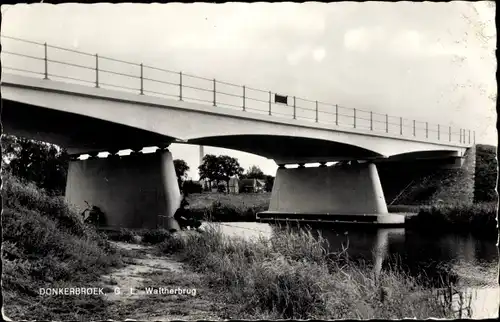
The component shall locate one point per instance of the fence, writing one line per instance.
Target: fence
(51, 62)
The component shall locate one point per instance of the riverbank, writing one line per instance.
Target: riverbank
(45, 245)
(479, 218)
(292, 276)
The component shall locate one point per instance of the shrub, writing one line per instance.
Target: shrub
(486, 174)
(476, 218)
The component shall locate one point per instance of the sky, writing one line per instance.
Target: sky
(428, 61)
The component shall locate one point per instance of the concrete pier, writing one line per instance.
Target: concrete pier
(343, 194)
(138, 191)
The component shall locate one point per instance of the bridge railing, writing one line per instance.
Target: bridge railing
(54, 62)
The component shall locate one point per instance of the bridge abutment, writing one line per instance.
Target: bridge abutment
(139, 191)
(346, 193)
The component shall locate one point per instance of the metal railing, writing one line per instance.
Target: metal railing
(140, 78)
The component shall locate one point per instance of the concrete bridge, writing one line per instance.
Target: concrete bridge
(141, 190)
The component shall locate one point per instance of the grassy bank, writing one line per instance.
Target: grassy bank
(293, 276)
(480, 219)
(229, 207)
(475, 218)
(45, 245)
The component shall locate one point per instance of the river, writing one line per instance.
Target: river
(470, 263)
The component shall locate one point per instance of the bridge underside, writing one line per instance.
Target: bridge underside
(287, 149)
(77, 133)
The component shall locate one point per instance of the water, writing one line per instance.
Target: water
(470, 263)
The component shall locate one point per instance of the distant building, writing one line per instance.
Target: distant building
(234, 186)
(252, 185)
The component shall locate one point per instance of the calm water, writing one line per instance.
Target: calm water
(470, 263)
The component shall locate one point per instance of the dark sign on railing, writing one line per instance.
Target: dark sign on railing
(281, 99)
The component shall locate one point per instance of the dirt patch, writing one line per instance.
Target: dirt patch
(146, 284)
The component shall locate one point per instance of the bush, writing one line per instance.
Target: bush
(476, 218)
(486, 174)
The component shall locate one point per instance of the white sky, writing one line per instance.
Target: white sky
(428, 61)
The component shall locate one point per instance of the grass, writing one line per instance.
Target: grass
(292, 276)
(46, 245)
(137, 236)
(229, 207)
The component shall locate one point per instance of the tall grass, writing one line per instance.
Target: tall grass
(292, 275)
(45, 244)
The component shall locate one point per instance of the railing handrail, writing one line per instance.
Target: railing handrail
(355, 114)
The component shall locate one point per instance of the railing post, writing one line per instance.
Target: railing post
(401, 125)
(449, 131)
(142, 80)
(97, 70)
(371, 121)
(336, 114)
(354, 117)
(243, 98)
(215, 102)
(294, 109)
(439, 132)
(414, 130)
(270, 101)
(460, 140)
(180, 86)
(474, 137)
(316, 111)
(386, 123)
(469, 136)
(426, 130)
(46, 62)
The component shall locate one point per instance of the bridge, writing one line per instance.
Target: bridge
(89, 106)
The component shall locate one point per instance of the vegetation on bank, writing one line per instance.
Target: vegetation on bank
(478, 219)
(228, 207)
(45, 245)
(486, 174)
(292, 275)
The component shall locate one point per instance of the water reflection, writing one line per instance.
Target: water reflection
(469, 263)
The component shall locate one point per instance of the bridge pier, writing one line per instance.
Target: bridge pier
(139, 191)
(345, 194)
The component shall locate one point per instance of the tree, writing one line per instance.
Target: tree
(229, 167)
(219, 168)
(42, 163)
(209, 168)
(181, 169)
(254, 172)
